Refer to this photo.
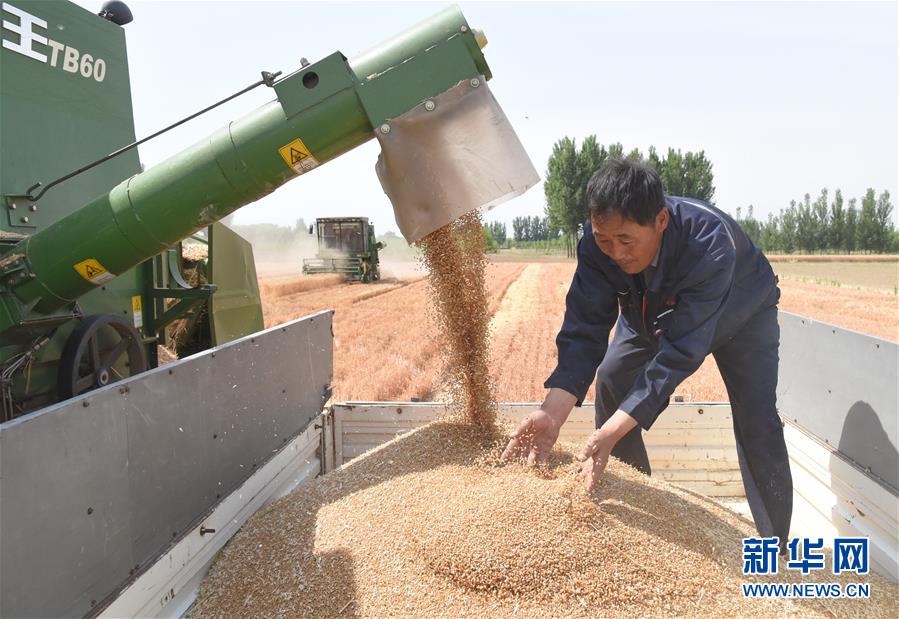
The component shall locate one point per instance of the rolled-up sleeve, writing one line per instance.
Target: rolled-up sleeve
(687, 341)
(591, 309)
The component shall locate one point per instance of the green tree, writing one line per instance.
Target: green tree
(562, 188)
(519, 229)
(616, 151)
(883, 218)
(589, 158)
(770, 236)
(635, 155)
(749, 224)
(687, 174)
(821, 217)
(894, 242)
(653, 160)
(837, 237)
(498, 230)
(850, 236)
(789, 224)
(489, 241)
(806, 228)
(545, 231)
(867, 223)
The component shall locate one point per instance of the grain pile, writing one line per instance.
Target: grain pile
(455, 258)
(427, 525)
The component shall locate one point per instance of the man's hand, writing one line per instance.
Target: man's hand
(534, 438)
(593, 458)
(537, 433)
(595, 455)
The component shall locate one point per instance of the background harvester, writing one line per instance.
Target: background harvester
(91, 272)
(346, 245)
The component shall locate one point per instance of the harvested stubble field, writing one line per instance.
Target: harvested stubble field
(877, 276)
(386, 345)
(431, 525)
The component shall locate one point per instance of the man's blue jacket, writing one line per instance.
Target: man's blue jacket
(710, 279)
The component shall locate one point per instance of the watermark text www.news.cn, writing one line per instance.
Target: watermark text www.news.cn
(806, 555)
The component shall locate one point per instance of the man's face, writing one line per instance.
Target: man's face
(628, 243)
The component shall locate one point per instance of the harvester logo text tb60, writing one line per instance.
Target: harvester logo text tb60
(31, 33)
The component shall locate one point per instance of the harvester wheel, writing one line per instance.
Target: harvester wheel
(101, 350)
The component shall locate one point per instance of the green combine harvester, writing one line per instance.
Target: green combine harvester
(346, 245)
(107, 458)
(91, 271)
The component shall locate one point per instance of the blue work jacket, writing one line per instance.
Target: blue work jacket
(709, 280)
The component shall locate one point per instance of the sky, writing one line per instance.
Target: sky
(784, 98)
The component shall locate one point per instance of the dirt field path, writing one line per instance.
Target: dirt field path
(524, 331)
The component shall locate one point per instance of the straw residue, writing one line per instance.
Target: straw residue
(427, 525)
(455, 259)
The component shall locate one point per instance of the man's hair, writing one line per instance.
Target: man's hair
(629, 188)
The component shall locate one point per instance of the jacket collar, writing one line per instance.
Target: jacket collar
(665, 256)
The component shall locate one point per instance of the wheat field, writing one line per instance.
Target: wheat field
(386, 345)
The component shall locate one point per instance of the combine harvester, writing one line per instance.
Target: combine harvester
(346, 245)
(120, 479)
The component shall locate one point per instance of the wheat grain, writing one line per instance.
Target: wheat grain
(431, 525)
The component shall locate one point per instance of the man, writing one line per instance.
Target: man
(682, 280)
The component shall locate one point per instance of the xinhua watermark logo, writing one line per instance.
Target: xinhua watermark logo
(806, 556)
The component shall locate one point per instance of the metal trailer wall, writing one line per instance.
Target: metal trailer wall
(690, 444)
(94, 489)
(841, 386)
(838, 397)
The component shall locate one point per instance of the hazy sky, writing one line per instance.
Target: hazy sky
(784, 98)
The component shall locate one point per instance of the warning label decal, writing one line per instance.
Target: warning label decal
(298, 157)
(93, 271)
(137, 311)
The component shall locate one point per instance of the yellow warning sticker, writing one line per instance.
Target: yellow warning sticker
(298, 157)
(137, 311)
(93, 271)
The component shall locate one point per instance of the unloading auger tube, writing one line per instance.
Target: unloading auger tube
(423, 93)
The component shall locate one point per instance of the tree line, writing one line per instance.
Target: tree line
(826, 224)
(531, 229)
(569, 170)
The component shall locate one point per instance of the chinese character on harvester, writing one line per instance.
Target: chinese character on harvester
(810, 560)
(850, 554)
(760, 555)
